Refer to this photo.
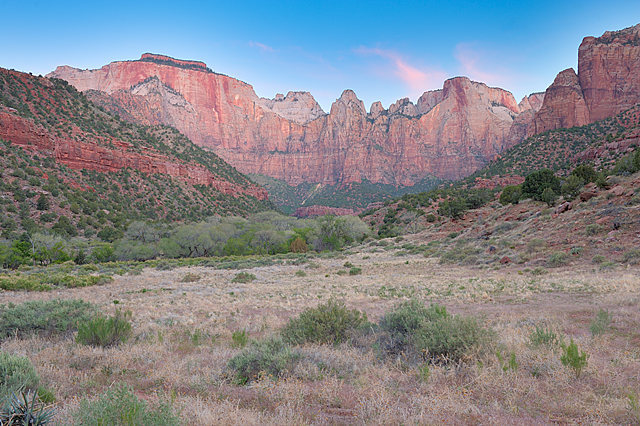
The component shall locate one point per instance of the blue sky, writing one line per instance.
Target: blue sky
(382, 50)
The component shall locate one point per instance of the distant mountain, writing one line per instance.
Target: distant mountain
(94, 168)
(448, 133)
(607, 83)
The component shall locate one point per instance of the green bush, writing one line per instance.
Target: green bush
(511, 194)
(535, 184)
(572, 358)
(239, 339)
(355, 271)
(600, 323)
(557, 259)
(46, 282)
(571, 187)
(105, 331)
(44, 317)
(120, 406)
(432, 334)
(454, 208)
(16, 374)
(243, 277)
(271, 357)
(585, 173)
(329, 323)
(543, 336)
(301, 273)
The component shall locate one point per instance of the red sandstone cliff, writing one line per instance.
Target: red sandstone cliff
(449, 133)
(607, 83)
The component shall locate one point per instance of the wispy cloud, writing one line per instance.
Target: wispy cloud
(263, 47)
(416, 79)
(475, 63)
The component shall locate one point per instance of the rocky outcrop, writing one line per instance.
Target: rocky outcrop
(607, 83)
(299, 107)
(563, 106)
(448, 133)
(93, 156)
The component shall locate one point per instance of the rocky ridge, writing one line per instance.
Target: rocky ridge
(448, 133)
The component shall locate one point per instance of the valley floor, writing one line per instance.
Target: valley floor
(182, 343)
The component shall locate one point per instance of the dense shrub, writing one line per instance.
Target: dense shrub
(511, 194)
(330, 323)
(46, 317)
(558, 258)
(120, 406)
(535, 183)
(45, 282)
(16, 374)
(414, 331)
(271, 357)
(298, 245)
(105, 331)
(586, 173)
(454, 208)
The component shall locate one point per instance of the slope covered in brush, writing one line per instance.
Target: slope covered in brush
(63, 157)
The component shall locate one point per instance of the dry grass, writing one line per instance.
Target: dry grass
(182, 342)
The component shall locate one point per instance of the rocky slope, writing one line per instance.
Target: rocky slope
(448, 133)
(607, 83)
(49, 126)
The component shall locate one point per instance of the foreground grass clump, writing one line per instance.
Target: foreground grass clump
(44, 317)
(411, 330)
(271, 357)
(544, 336)
(600, 323)
(330, 323)
(16, 374)
(243, 277)
(120, 406)
(46, 282)
(105, 331)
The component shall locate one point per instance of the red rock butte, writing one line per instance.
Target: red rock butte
(607, 83)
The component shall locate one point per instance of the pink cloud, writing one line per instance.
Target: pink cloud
(261, 46)
(417, 80)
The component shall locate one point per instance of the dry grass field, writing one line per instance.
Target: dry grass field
(183, 321)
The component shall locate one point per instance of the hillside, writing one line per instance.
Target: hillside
(600, 143)
(355, 196)
(98, 171)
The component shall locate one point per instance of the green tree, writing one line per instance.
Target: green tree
(511, 194)
(535, 183)
(42, 203)
(549, 196)
(571, 187)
